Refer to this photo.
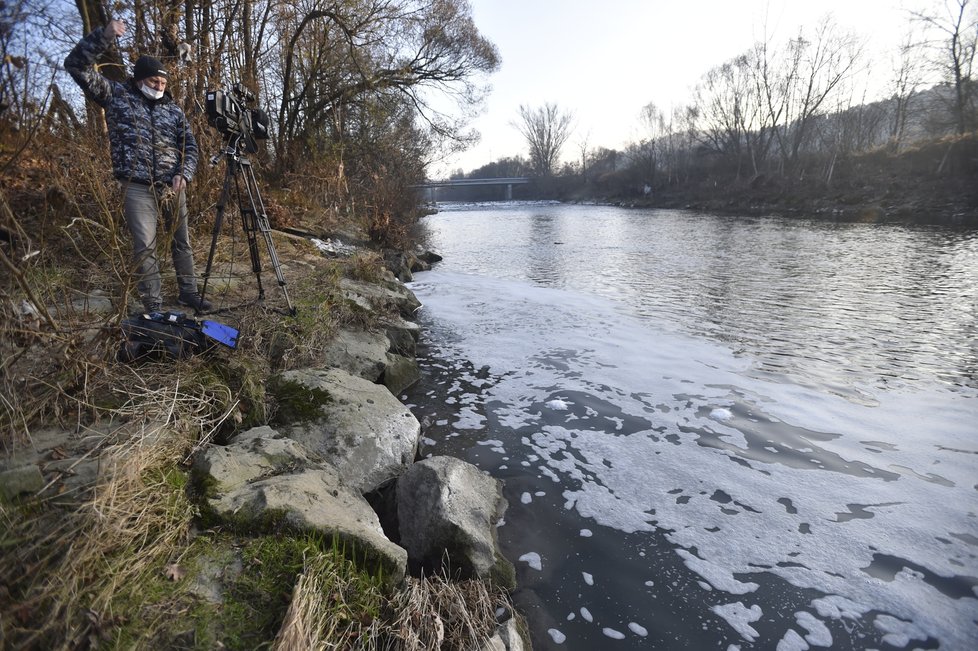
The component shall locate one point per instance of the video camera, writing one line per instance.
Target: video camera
(229, 113)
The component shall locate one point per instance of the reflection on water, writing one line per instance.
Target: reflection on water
(715, 432)
(840, 305)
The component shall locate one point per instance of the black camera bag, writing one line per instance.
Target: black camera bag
(166, 335)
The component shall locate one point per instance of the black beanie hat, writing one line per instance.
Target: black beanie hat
(147, 66)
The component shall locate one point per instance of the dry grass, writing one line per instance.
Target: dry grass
(68, 561)
(331, 610)
(77, 562)
(435, 613)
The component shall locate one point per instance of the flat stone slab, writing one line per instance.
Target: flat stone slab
(357, 426)
(384, 295)
(263, 480)
(359, 352)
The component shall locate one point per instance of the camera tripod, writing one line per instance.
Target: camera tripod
(253, 218)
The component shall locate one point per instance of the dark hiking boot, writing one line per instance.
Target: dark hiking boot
(195, 301)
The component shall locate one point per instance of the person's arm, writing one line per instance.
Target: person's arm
(188, 150)
(80, 62)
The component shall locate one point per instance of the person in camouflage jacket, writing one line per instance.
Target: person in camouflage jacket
(154, 156)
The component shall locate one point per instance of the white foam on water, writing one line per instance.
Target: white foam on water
(837, 607)
(792, 642)
(556, 636)
(533, 560)
(916, 481)
(544, 470)
(557, 405)
(721, 413)
(740, 617)
(470, 419)
(586, 533)
(716, 575)
(638, 629)
(818, 634)
(898, 632)
(526, 498)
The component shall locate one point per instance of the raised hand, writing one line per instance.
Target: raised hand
(115, 28)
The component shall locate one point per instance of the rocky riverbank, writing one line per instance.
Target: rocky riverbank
(339, 460)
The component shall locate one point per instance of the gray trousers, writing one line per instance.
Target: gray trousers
(142, 209)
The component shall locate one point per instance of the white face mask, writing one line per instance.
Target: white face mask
(151, 93)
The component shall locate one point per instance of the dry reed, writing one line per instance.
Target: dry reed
(424, 613)
(82, 556)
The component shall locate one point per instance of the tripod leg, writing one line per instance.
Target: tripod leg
(249, 221)
(261, 222)
(218, 222)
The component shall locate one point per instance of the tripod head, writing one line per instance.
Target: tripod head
(231, 152)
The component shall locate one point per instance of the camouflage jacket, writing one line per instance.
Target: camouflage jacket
(150, 140)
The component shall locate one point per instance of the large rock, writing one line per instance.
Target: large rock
(359, 352)
(383, 295)
(446, 506)
(430, 257)
(403, 335)
(20, 481)
(399, 263)
(355, 425)
(507, 638)
(253, 454)
(401, 372)
(258, 482)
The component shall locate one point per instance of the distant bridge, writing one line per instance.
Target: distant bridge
(509, 182)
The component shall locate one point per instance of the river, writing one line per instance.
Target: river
(715, 432)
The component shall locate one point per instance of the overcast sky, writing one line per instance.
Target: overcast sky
(605, 59)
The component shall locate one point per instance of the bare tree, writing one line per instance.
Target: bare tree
(546, 130)
(954, 53)
(908, 76)
(648, 148)
(729, 107)
(797, 83)
(582, 147)
(682, 141)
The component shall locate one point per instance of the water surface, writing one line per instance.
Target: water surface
(715, 432)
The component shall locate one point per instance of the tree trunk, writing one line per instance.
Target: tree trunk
(94, 15)
(249, 75)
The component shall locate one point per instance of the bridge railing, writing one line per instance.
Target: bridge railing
(456, 183)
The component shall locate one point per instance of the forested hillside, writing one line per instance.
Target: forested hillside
(816, 122)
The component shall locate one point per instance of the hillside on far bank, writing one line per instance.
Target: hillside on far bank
(931, 182)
